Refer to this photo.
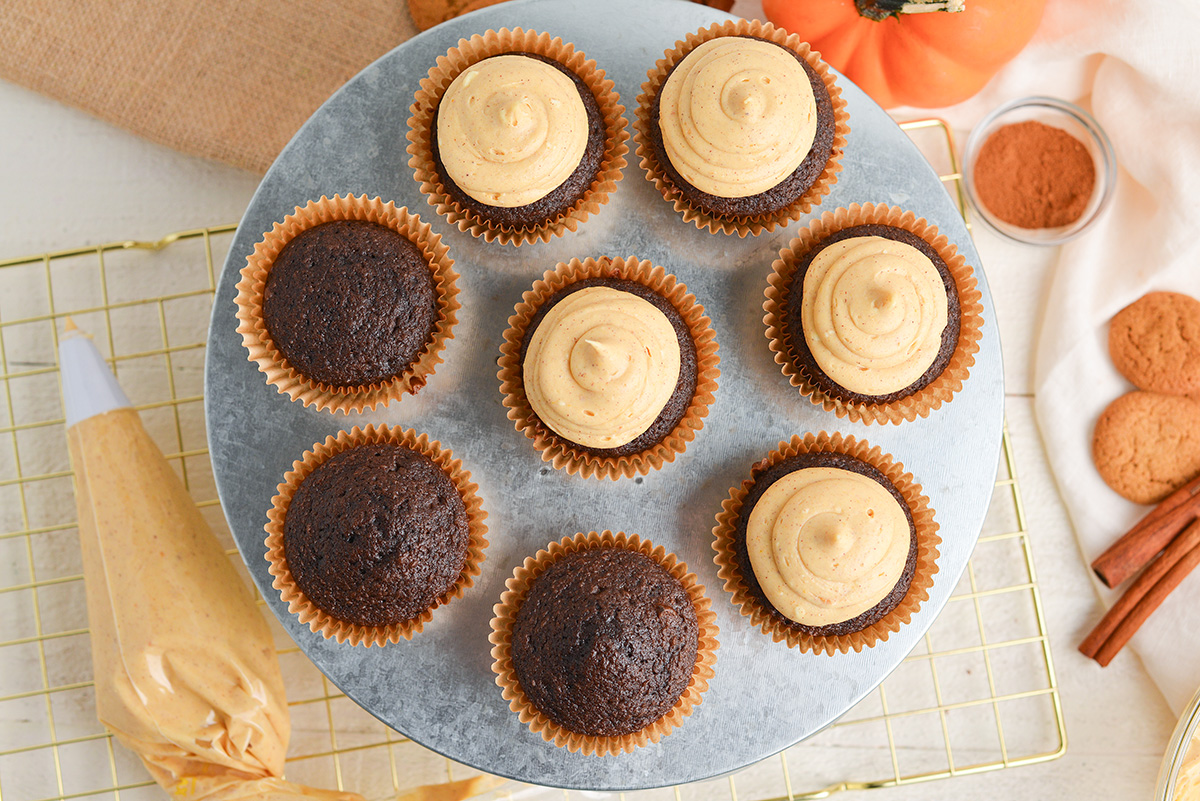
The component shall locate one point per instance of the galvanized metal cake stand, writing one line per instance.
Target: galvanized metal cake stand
(438, 689)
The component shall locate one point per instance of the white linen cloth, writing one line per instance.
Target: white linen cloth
(1136, 67)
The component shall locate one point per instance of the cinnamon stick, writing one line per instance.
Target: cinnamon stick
(1133, 551)
(1144, 596)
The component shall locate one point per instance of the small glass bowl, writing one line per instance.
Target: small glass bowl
(1185, 731)
(1074, 121)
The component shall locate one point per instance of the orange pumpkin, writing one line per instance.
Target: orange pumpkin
(902, 58)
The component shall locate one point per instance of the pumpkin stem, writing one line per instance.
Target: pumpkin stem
(880, 10)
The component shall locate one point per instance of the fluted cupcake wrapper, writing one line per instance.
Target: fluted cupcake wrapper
(299, 604)
(262, 348)
(750, 605)
(755, 224)
(970, 299)
(501, 638)
(565, 455)
(473, 50)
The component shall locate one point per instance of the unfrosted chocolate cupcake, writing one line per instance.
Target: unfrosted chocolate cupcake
(838, 461)
(605, 642)
(796, 334)
(376, 535)
(561, 198)
(685, 386)
(771, 199)
(350, 303)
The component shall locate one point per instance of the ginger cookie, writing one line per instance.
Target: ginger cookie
(1155, 343)
(1147, 445)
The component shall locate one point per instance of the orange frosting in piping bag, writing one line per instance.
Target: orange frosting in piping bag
(185, 667)
(186, 673)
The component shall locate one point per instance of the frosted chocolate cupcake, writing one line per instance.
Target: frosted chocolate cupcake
(517, 137)
(853, 533)
(828, 546)
(608, 366)
(873, 314)
(603, 642)
(517, 157)
(371, 532)
(742, 127)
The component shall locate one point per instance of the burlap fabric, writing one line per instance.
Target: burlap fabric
(229, 80)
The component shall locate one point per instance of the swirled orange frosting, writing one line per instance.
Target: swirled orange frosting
(827, 544)
(737, 116)
(873, 313)
(601, 366)
(510, 129)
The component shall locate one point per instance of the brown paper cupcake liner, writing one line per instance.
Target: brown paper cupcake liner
(919, 403)
(751, 606)
(257, 339)
(473, 50)
(564, 455)
(756, 224)
(322, 622)
(501, 638)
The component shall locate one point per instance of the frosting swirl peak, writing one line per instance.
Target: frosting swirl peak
(600, 367)
(510, 130)
(873, 312)
(827, 544)
(737, 116)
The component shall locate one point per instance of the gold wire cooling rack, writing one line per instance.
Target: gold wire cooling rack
(978, 694)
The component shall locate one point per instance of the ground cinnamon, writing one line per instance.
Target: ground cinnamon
(1034, 175)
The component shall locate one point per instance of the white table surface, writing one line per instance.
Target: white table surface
(69, 179)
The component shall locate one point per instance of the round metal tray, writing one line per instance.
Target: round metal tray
(438, 688)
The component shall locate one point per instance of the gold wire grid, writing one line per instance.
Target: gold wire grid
(978, 693)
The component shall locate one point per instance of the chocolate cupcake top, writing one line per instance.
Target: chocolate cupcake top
(350, 303)
(605, 642)
(873, 313)
(376, 535)
(518, 138)
(609, 365)
(826, 542)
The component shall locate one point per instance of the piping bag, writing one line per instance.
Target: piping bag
(186, 675)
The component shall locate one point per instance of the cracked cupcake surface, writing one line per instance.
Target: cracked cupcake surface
(376, 535)
(605, 642)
